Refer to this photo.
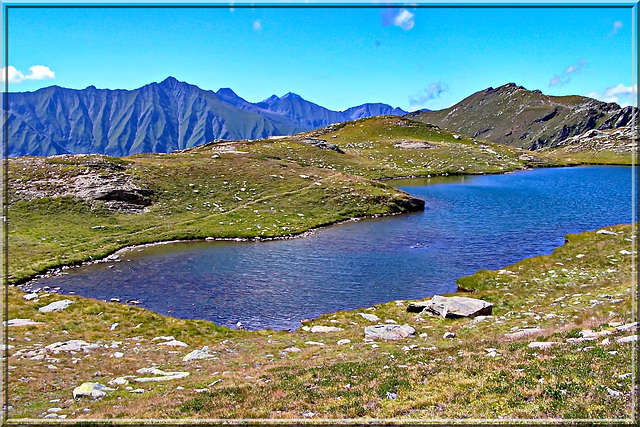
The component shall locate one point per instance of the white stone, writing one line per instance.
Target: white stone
(542, 345)
(117, 355)
(115, 325)
(344, 341)
(197, 355)
(606, 232)
(119, 381)
(89, 389)
(20, 322)
(55, 306)
(313, 343)
(630, 338)
(449, 335)
(169, 338)
(174, 343)
(627, 326)
(31, 296)
(160, 375)
(325, 329)
(71, 345)
(370, 317)
(291, 350)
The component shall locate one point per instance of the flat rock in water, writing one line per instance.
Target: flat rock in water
(452, 307)
(21, 322)
(389, 332)
(94, 390)
(55, 306)
(325, 329)
(370, 317)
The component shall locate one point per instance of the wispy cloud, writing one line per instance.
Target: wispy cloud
(433, 91)
(399, 17)
(568, 73)
(37, 72)
(616, 27)
(619, 94)
(257, 25)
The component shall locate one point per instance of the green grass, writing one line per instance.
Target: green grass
(437, 379)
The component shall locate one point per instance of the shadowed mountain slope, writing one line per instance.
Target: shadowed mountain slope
(157, 118)
(513, 115)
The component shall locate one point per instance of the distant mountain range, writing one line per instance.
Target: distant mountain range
(159, 117)
(513, 115)
(171, 115)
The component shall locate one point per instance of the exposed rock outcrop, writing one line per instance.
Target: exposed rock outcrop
(452, 307)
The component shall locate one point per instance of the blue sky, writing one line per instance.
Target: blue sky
(408, 57)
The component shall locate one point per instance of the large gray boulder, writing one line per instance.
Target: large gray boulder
(389, 332)
(452, 307)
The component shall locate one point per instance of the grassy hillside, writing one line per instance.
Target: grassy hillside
(513, 115)
(245, 189)
(584, 287)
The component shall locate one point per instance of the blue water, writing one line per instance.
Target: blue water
(469, 223)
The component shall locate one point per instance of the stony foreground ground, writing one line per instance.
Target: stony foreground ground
(559, 344)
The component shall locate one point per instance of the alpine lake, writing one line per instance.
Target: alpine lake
(469, 223)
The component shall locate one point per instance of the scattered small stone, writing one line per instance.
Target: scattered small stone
(449, 335)
(325, 329)
(215, 382)
(89, 389)
(630, 338)
(55, 306)
(174, 343)
(423, 335)
(71, 345)
(313, 343)
(292, 350)
(168, 338)
(197, 355)
(161, 375)
(137, 390)
(52, 367)
(391, 395)
(344, 341)
(611, 233)
(30, 297)
(542, 345)
(119, 381)
(624, 376)
(21, 322)
(612, 392)
(389, 332)
(54, 410)
(524, 332)
(580, 256)
(370, 317)
(115, 325)
(627, 326)
(308, 414)
(117, 355)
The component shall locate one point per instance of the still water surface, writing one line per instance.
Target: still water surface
(469, 223)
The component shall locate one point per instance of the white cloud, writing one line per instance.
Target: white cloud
(619, 93)
(257, 26)
(398, 17)
(433, 91)
(616, 27)
(37, 72)
(568, 73)
(404, 20)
